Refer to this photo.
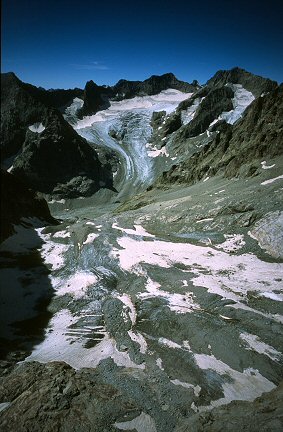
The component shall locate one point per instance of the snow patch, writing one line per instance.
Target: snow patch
(204, 220)
(158, 152)
(129, 306)
(241, 100)
(51, 252)
(272, 296)
(230, 276)
(169, 343)
(247, 385)
(76, 285)
(271, 180)
(255, 344)
(90, 238)
(53, 201)
(138, 231)
(62, 234)
(233, 243)
(264, 166)
(188, 114)
(159, 363)
(142, 423)
(71, 110)
(4, 405)
(137, 337)
(37, 127)
(60, 345)
(178, 303)
(197, 388)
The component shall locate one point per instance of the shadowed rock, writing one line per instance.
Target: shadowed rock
(50, 153)
(17, 201)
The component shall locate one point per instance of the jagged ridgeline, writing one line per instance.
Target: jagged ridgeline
(48, 153)
(125, 138)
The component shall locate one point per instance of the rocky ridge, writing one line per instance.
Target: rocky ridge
(254, 83)
(235, 149)
(50, 156)
(96, 98)
(125, 89)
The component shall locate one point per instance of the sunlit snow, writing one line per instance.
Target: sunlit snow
(241, 100)
(37, 128)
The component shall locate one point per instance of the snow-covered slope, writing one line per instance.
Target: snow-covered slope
(242, 99)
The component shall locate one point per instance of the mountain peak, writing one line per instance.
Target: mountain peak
(254, 83)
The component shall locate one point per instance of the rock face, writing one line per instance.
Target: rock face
(19, 109)
(95, 98)
(254, 83)
(56, 156)
(59, 398)
(58, 98)
(56, 397)
(17, 201)
(258, 134)
(264, 414)
(269, 233)
(216, 101)
(155, 84)
(51, 154)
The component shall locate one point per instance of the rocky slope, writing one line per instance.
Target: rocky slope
(58, 161)
(51, 156)
(265, 414)
(59, 398)
(237, 149)
(215, 101)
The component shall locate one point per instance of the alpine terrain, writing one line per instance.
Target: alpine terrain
(141, 255)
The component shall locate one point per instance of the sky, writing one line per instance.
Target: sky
(63, 44)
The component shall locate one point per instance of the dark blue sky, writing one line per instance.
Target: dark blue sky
(63, 44)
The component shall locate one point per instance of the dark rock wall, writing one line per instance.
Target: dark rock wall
(53, 157)
(17, 201)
